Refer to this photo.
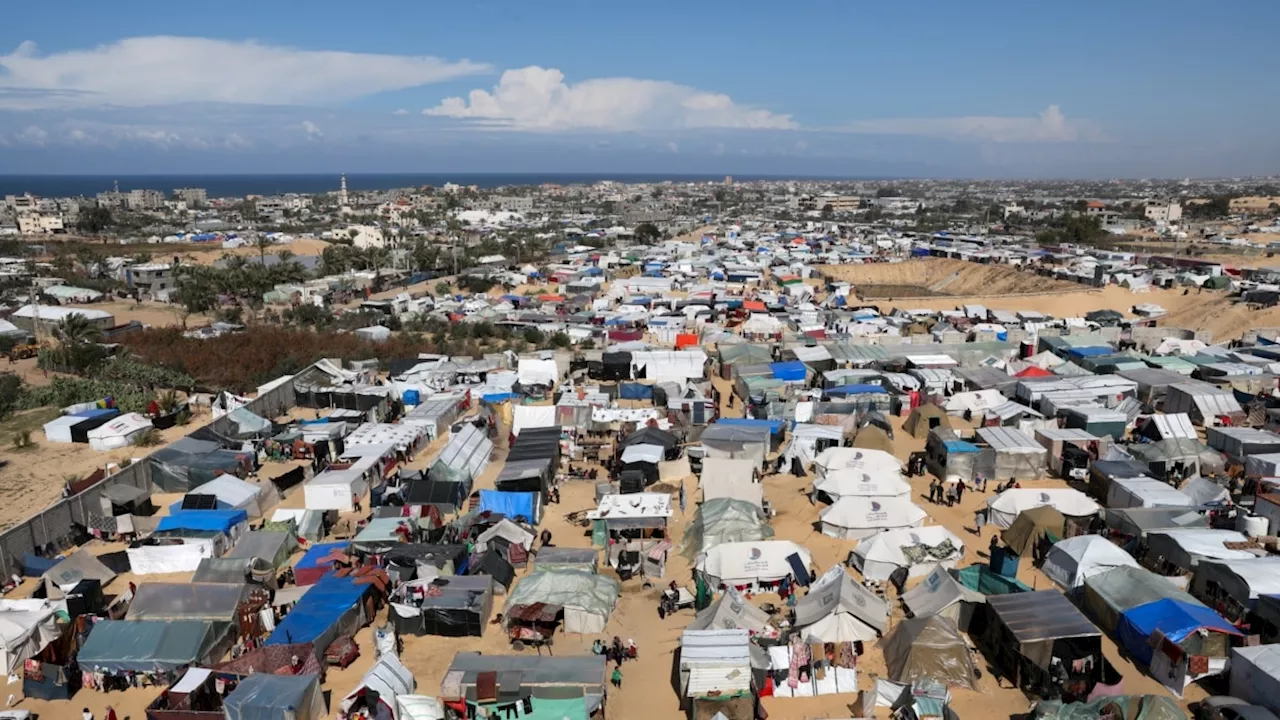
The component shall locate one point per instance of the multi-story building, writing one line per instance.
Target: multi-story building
(193, 197)
(1164, 213)
(33, 223)
(513, 203)
(144, 200)
(150, 277)
(21, 203)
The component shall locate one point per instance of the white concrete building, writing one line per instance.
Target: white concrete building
(40, 224)
(1164, 213)
(365, 236)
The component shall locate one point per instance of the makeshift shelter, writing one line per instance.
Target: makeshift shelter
(553, 558)
(1137, 707)
(1137, 522)
(840, 483)
(317, 561)
(730, 610)
(504, 534)
(1182, 550)
(472, 679)
(189, 463)
(451, 606)
(1032, 525)
(26, 627)
(839, 609)
(379, 688)
(1255, 675)
(262, 696)
(232, 493)
(731, 479)
(807, 440)
(939, 593)
(149, 646)
(122, 431)
(925, 418)
(1072, 561)
(75, 427)
(1011, 453)
(726, 441)
(1028, 633)
(1191, 629)
(383, 533)
(854, 517)
(757, 564)
(338, 489)
(588, 599)
(333, 607)
(872, 437)
(1233, 587)
(928, 647)
(463, 458)
(1006, 506)
(1144, 492)
(514, 505)
(1110, 594)
(715, 668)
(187, 601)
(422, 561)
(948, 456)
(494, 565)
(720, 521)
(271, 547)
(918, 550)
(864, 460)
(71, 571)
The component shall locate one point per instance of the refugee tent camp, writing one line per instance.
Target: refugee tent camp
(853, 482)
(150, 646)
(730, 610)
(920, 550)
(122, 431)
(26, 627)
(379, 688)
(853, 517)
(1006, 506)
(1031, 526)
(723, 520)
(70, 571)
(928, 647)
(1072, 561)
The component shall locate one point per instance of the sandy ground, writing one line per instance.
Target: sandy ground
(1209, 310)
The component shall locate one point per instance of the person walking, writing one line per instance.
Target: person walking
(933, 491)
(960, 490)
(979, 520)
(616, 678)
(682, 497)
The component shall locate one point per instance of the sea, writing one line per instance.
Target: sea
(230, 186)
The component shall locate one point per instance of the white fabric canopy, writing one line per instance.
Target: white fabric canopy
(1006, 506)
(532, 416)
(26, 627)
(742, 563)
(852, 482)
(867, 460)
(1072, 561)
(878, 556)
(537, 372)
(861, 517)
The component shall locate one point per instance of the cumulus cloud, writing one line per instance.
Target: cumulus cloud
(311, 129)
(535, 98)
(160, 70)
(33, 135)
(1051, 125)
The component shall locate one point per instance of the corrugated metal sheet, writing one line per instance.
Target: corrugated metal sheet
(707, 680)
(1004, 438)
(1177, 425)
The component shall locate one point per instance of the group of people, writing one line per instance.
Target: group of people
(615, 652)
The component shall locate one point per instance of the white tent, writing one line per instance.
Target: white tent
(1145, 492)
(335, 489)
(1006, 506)
(59, 428)
(234, 493)
(1072, 561)
(506, 530)
(878, 556)
(731, 478)
(120, 432)
(528, 417)
(860, 517)
(419, 707)
(852, 482)
(748, 563)
(866, 460)
(26, 627)
(389, 678)
(976, 402)
(1204, 491)
(838, 609)
(537, 372)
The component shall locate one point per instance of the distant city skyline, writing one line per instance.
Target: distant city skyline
(984, 90)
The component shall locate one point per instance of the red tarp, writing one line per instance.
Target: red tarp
(754, 305)
(1034, 372)
(684, 340)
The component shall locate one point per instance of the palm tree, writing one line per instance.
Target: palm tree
(262, 242)
(76, 329)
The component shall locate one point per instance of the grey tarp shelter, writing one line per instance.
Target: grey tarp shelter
(730, 611)
(80, 565)
(235, 571)
(454, 606)
(723, 520)
(550, 558)
(262, 696)
(1011, 453)
(150, 645)
(928, 647)
(1109, 594)
(588, 599)
(271, 546)
(464, 457)
(551, 677)
(187, 601)
(1140, 521)
(939, 593)
(1030, 624)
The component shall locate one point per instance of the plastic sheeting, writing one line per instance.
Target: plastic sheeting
(464, 457)
(262, 696)
(1173, 618)
(532, 416)
(1137, 707)
(928, 647)
(26, 627)
(838, 609)
(389, 678)
(1006, 506)
(588, 599)
(220, 521)
(187, 601)
(1070, 562)
(146, 645)
(328, 608)
(1110, 594)
(941, 594)
(723, 520)
(880, 555)
(511, 504)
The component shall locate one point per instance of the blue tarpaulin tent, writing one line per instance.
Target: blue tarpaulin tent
(1176, 619)
(635, 391)
(313, 564)
(203, 520)
(788, 371)
(510, 504)
(499, 397)
(318, 617)
(35, 566)
(775, 426)
(1090, 351)
(959, 446)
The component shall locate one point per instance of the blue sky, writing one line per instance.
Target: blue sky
(986, 88)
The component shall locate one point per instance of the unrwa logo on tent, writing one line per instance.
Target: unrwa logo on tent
(1044, 497)
(755, 553)
(875, 506)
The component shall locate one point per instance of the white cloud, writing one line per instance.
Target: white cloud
(311, 129)
(673, 148)
(161, 70)
(235, 142)
(1051, 125)
(79, 136)
(401, 111)
(535, 98)
(33, 135)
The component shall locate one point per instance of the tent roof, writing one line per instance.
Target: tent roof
(937, 592)
(730, 610)
(1041, 615)
(145, 645)
(187, 601)
(571, 588)
(928, 647)
(835, 593)
(263, 695)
